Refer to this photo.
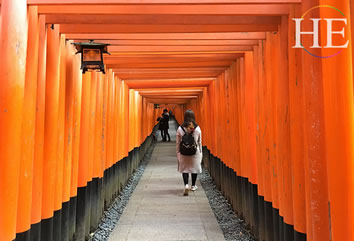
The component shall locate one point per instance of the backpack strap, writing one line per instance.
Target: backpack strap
(183, 129)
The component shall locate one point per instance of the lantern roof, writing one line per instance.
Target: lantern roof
(93, 44)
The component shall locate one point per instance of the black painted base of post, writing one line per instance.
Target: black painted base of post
(65, 221)
(80, 215)
(57, 225)
(47, 229)
(35, 234)
(25, 236)
(299, 236)
(72, 218)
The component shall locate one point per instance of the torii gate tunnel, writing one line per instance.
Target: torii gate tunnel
(273, 96)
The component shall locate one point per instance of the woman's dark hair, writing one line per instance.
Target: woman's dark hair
(188, 118)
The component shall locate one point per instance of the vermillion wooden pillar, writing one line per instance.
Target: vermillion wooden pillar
(145, 117)
(217, 110)
(255, 70)
(234, 85)
(77, 89)
(315, 147)
(137, 119)
(50, 132)
(60, 151)
(105, 137)
(140, 118)
(211, 94)
(270, 189)
(351, 17)
(110, 136)
(121, 140)
(251, 119)
(84, 130)
(271, 194)
(82, 196)
(283, 135)
(91, 152)
(262, 123)
(92, 129)
(13, 47)
(105, 120)
(98, 160)
(110, 123)
(68, 140)
(258, 60)
(39, 134)
(116, 113)
(296, 117)
(28, 127)
(131, 121)
(125, 113)
(339, 124)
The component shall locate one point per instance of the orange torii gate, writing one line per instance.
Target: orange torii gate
(278, 123)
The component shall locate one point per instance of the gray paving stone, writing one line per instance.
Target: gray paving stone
(157, 210)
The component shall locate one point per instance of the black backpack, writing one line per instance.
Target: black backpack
(188, 146)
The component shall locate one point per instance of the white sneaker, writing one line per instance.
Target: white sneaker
(194, 188)
(186, 190)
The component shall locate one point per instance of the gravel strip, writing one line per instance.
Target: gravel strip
(231, 225)
(112, 215)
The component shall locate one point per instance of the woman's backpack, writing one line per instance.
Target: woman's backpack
(188, 146)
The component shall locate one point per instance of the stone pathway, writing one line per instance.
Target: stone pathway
(157, 210)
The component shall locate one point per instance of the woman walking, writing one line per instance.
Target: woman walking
(189, 150)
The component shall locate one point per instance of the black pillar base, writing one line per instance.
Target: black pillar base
(25, 236)
(65, 221)
(47, 229)
(35, 234)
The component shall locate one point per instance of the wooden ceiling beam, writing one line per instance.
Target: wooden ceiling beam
(170, 91)
(172, 36)
(163, 84)
(157, 60)
(142, 49)
(170, 101)
(177, 57)
(159, 42)
(156, 89)
(170, 96)
(167, 70)
(159, 19)
(188, 65)
(208, 80)
(163, 9)
(132, 75)
(103, 2)
(126, 28)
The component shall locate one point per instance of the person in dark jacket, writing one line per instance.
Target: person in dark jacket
(165, 120)
(161, 127)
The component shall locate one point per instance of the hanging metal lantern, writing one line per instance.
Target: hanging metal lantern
(91, 55)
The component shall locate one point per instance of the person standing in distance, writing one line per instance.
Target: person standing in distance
(161, 126)
(189, 150)
(166, 119)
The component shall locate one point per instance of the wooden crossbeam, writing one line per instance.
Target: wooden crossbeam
(156, 9)
(158, 42)
(159, 19)
(171, 36)
(125, 28)
(103, 2)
